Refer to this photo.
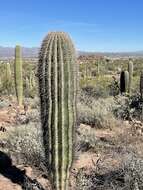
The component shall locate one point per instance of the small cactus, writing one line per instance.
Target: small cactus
(130, 70)
(18, 75)
(57, 86)
(124, 82)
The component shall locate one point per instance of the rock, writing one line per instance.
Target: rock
(6, 184)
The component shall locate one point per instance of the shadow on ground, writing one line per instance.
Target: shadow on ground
(16, 175)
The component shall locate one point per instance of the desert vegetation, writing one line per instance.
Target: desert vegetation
(71, 122)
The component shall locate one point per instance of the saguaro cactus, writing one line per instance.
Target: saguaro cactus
(8, 79)
(27, 87)
(98, 67)
(8, 71)
(57, 86)
(18, 75)
(141, 85)
(130, 70)
(32, 80)
(124, 82)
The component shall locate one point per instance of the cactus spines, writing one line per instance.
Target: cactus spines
(124, 82)
(130, 70)
(57, 87)
(141, 85)
(18, 75)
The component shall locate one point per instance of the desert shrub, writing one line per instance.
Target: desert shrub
(135, 88)
(25, 145)
(97, 87)
(109, 181)
(86, 138)
(129, 176)
(35, 103)
(128, 107)
(114, 87)
(84, 182)
(97, 113)
(133, 172)
(101, 91)
(34, 115)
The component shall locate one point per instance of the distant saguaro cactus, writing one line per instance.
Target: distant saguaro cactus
(98, 67)
(8, 71)
(130, 70)
(8, 79)
(57, 86)
(32, 80)
(124, 82)
(141, 85)
(27, 87)
(18, 75)
(1, 85)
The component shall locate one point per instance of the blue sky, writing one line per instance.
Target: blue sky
(94, 25)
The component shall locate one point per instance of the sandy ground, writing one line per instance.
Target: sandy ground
(86, 160)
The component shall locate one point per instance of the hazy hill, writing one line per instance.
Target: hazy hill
(27, 52)
(114, 54)
(8, 52)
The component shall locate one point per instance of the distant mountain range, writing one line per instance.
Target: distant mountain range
(114, 54)
(8, 52)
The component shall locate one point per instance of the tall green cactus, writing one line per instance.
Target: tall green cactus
(130, 70)
(124, 82)
(57, 86)
(18, 75)
(141, 85)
